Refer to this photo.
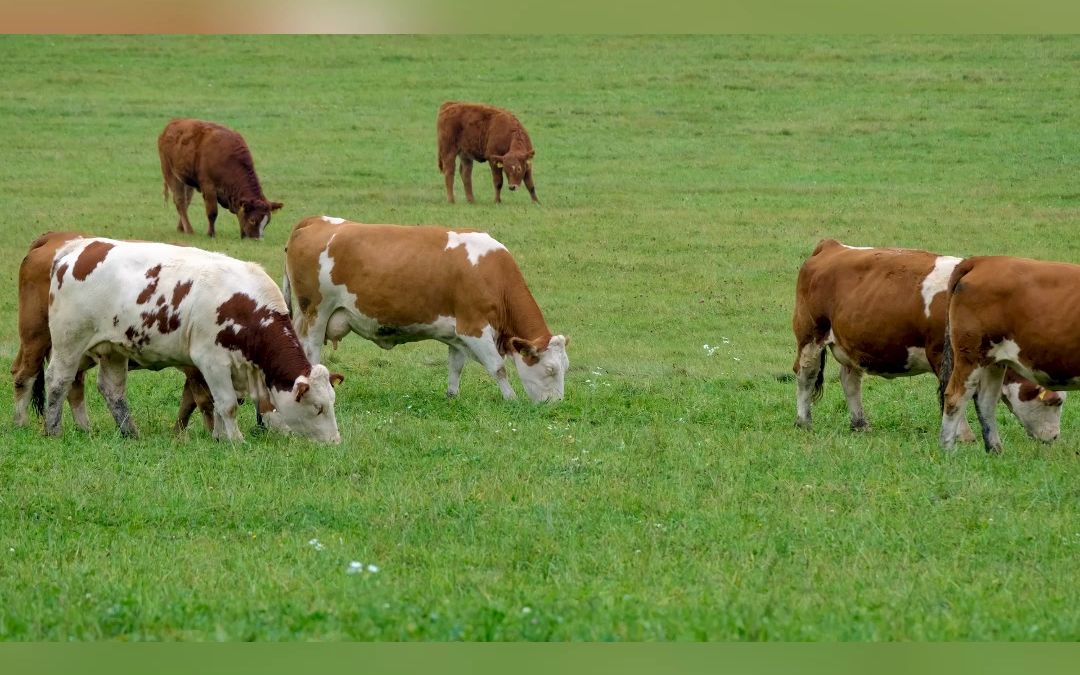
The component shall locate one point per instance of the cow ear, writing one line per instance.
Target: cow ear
(301, 389)
(336, 379)
(525, 348)
(531, 154)
(274, 206)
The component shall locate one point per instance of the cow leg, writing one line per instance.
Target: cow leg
(112, 383)
(497, 179)
(77, 400)
(808, 381)
(218, 377)
(958, 391)
(447, 163)
(466, 177)
(182, 200)
(457, 360)
(58, 378)
(529, 185)
(187, 406)
(209, 194)
(483, 349)
(986, 400)
(851, 380)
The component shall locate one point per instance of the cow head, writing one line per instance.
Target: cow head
(542, 368)
(254, 216)
(515, 164)
(1037, 408)
(308, 408)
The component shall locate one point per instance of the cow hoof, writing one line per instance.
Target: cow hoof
(994, 449)
(860, 426)
(803, 424)
(451, 394)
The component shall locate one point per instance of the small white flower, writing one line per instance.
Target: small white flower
(372, 568)
(316, 544)
(526, 610)
(355, 567)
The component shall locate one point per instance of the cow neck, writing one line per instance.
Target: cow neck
(265, 337)
(280, 356)
(247, 188)
(521, 317)
(519, 140)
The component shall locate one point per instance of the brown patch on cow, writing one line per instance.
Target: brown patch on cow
(1029, 390)
(92, 256)
(60, 272)
(180, 292)
(152, 274)
(265, 337)
(166, 320)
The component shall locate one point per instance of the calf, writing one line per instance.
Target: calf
(1007, 313)
(214, 160)
(35, 343)
(483, 133)
(883, 311)
(158, 305)
(393, 284)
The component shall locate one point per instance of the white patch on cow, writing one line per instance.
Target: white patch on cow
(333, 221)
(938, 280)
(477, 244)
(265, 323)
(1006, 351)
(917, 361)
(262, 225)
(858, 248)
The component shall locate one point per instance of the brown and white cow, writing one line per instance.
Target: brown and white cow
(483, 133)
(215, 160)
(882, 311)
(158, 305)
(35, 344)
(1007, 314)
(394, 284)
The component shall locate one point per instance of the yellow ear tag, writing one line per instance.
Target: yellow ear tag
(1042, 395)
(498, 165)
(528, 162)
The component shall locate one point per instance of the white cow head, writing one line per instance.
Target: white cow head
(308, 409)
(1037, 408)
(542, 369)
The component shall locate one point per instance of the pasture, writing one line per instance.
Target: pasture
(682, 182)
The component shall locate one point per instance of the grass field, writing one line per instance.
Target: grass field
(668, 497)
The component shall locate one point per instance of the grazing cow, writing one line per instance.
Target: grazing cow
(483, 133)
(159, 305)
(1007, 313)
(35, 343)
(214, 160)
(393, 284)
(882, 311)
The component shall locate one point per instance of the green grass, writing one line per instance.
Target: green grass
(668, 497)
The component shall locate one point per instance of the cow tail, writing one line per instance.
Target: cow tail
(946, 367)
(37, 394)
(286, 286)
(819, 383)
(958, 273)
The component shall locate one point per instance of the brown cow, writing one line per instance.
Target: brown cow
(882, 311)
(35, 344)
(394, 284)
(1007, 313)
(214, 160)
(483, 133)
